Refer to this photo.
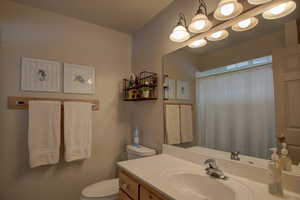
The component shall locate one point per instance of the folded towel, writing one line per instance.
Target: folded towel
(44, 132)
(172, 124)
(77, 130)
(186, 123)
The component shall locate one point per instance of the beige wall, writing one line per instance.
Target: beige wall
(150, 44)
(298, 22)
(250, 49)
(39, 34)
(181, 65)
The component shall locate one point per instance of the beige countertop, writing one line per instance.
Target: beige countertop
(156, 171)
(258, 162)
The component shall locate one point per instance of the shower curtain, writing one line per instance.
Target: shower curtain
(236, 111)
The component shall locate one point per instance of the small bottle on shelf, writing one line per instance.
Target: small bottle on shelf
(275, 182)
(285, 161)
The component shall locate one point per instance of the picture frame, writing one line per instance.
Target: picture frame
(171, 83)
(183, 90)
(79, 79)
(40, 75)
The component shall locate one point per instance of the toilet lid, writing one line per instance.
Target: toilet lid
(140, 150)
(102, 189)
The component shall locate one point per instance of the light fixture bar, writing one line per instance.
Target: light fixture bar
(228, 24)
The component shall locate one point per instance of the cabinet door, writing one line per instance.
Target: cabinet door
(123, 196)
(147, 195)
(128, 185)
(286, 64)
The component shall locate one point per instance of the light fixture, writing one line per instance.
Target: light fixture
(200, 22)
(180, 33)
(219, 35)
(258, 2)
(280, 10)
(198, 43)
(228, 9)
(245, 25)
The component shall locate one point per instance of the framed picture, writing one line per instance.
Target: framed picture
(171, 83)
(40, 75)
(183, 90)
(79, 79)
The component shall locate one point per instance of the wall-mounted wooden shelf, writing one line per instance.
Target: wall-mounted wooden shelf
(140, 99)
(143, 88)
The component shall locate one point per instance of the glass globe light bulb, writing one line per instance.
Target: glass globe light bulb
(216, 34)
(199, 25)
(245, 23)
(227, 9)
(198, 43)
(179, 34)
(278, 9)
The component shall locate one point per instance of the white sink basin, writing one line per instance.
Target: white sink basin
(203, 187)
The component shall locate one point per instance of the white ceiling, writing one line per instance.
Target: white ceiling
(123, 15)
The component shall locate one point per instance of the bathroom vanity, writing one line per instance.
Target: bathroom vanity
(132, 188)
(168, 177)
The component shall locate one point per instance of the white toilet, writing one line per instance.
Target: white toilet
(109, 189)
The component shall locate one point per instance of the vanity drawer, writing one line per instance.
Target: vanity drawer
(123, 196)
(147, 195)
(129, 186)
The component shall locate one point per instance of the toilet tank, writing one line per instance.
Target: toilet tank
(134, 152)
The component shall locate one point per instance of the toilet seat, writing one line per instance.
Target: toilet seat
(106, 190)
(109, 189)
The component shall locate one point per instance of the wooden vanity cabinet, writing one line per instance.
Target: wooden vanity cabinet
(147, 195)
(123, 195)
(129, 186)
(133, 189)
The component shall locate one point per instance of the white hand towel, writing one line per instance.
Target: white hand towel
(77, 130)
(186, 123)
(172, 124)
(44, 132)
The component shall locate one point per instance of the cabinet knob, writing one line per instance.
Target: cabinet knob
(150, 196)
(124, 186)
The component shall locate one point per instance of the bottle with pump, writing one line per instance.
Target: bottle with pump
(275, 183)
(285, 161)
(136, 137)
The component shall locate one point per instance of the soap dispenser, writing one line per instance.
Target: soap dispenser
(285, 161)
(275, 183)
(136, 137)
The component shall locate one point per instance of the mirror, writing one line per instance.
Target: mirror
(224, 98)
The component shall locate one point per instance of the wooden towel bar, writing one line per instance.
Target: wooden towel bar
(21, 103)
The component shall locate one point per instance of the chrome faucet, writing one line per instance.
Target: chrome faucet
(235, 155)
(213, 170)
